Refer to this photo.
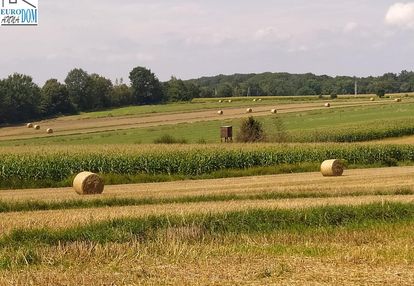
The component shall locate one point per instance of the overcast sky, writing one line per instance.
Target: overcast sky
(195, 38)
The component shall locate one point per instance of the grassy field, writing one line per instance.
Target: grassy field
(192, 233)
(360, 122)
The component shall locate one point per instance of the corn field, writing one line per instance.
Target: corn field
(191, 160)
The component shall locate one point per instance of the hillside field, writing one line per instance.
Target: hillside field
(210, 213)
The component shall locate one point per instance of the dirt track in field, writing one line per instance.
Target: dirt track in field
(383, 179)
(76, 125)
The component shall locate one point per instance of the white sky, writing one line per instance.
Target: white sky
(195, 38)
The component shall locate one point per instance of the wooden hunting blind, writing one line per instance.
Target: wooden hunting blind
(227, 133)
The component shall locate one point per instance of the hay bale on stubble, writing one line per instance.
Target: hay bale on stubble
(230, 100)
(332, 168)
(220, 112)
(249, 110)
(372, 99)
(327, 105)
(87, 183)
(273, 111)
(29, 125)
(49, 131)
(220, 101)
(36, 127)
(398, 100)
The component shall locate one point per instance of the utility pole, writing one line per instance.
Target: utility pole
(356, 88)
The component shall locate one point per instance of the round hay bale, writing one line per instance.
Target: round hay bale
(229, 100)
(29, 125)
(274, 111)
(220, 112)
(259, 99)
(332, 168)
(254, 100)
(249, 110)
(49, 131)
(372, 99)
(398, 100)
(87, 183)
(327, 105)
(37, 127)
(220, 101)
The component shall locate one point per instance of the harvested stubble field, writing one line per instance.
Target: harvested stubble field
(292, 229)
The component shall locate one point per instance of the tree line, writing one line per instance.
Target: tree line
(285, 84)
(21, 99)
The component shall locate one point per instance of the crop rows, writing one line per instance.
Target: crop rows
(193, 161)
(371, 130)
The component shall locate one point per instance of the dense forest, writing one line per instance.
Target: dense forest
(21, 99)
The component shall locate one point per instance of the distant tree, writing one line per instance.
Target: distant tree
(55, 99)
(121, 95)
(99, 92)
(178, 90)
(380, 92)
(19, 99)
(78, 83)
(146, 88)
(224, 90)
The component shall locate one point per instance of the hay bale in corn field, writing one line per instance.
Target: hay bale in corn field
(49, 131)
(37, 127)
(249, 110)
(327, 105)
(29, 125)
(273, 111)
(332, 168)
(87, 183)
(220, 112)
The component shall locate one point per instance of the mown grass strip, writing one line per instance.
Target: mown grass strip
(252, 221)
(22, 206)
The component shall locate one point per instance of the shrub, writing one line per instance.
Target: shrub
(251, 130)
(168, 139)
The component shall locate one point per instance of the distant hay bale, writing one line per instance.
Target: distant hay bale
(220, 101)
(327, 105)
(220, 112)
(274, 111)
(229, 100)
(29, 125)
(332, 168)
(372, 99)
(398, 100)
(37, 127)
(49, 131)
(249, 110)
(254, 100)
(259, 99)
(87, 183)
